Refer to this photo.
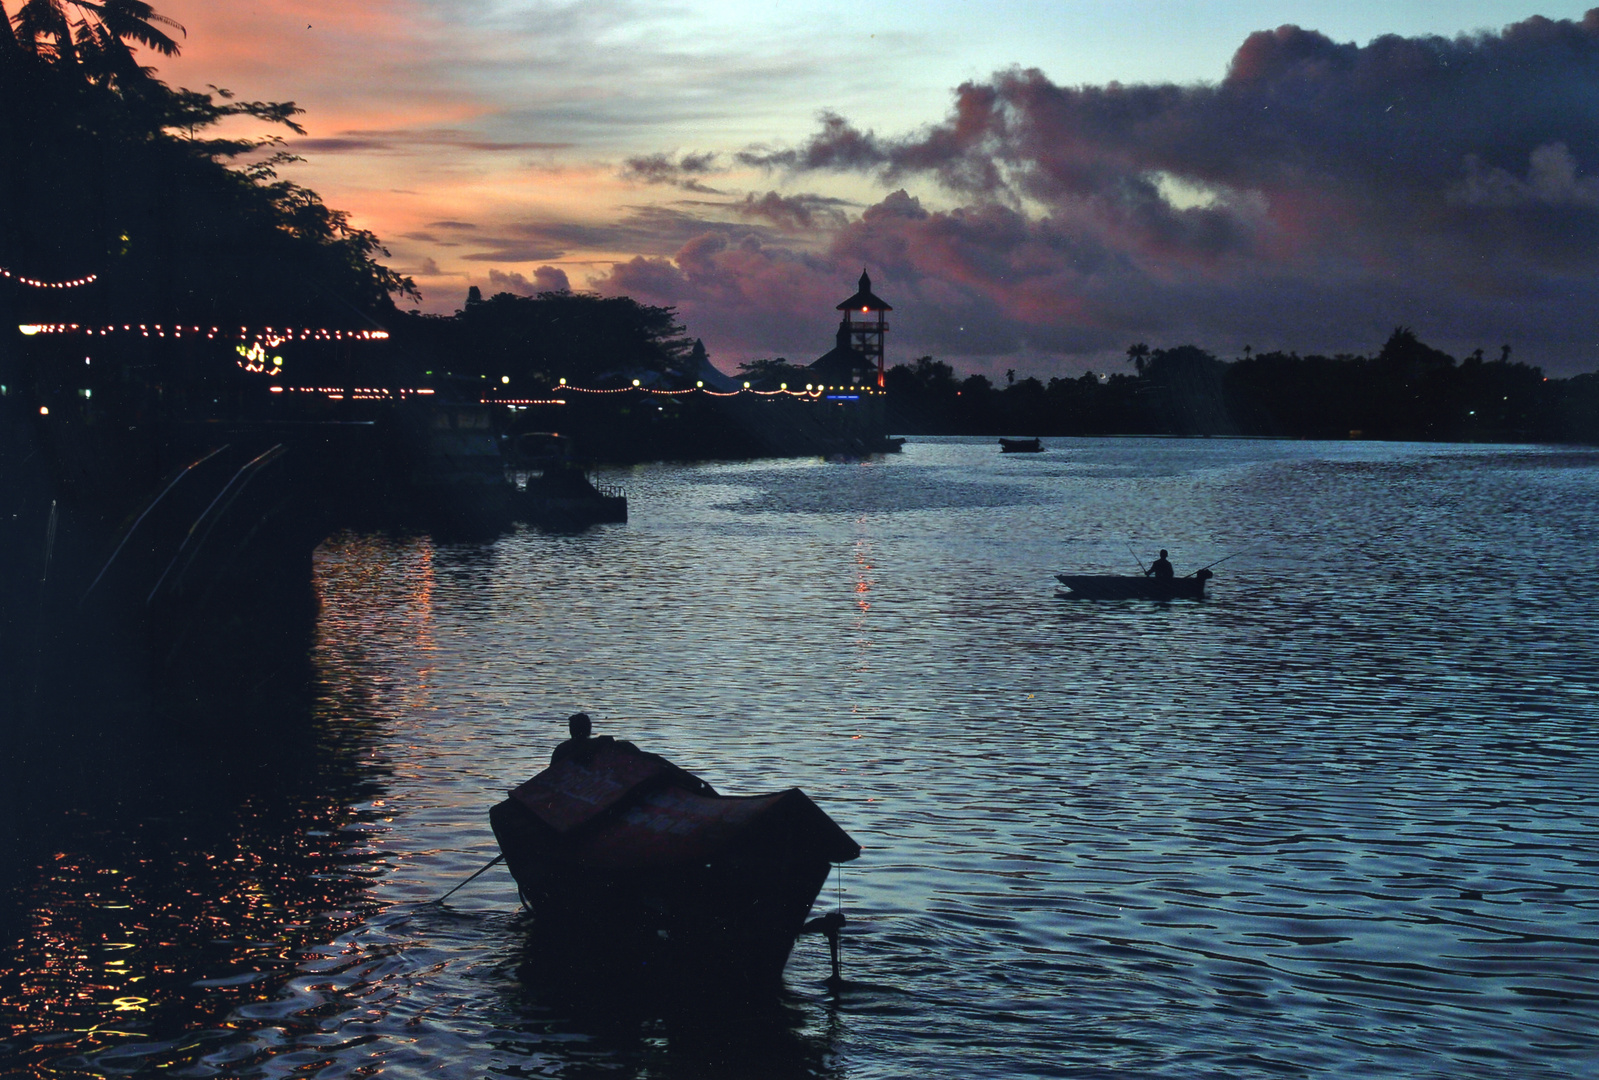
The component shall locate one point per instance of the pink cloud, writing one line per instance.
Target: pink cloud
(545, 279)
(1319, 194)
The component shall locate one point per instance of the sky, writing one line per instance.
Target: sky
(1032, 186)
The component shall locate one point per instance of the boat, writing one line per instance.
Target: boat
(637, 873)
(564, 497)
(1020, 446)
(1128, 587)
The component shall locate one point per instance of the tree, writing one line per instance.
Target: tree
(108, 171)
(535, 341)
(92, 38)
(772, 374)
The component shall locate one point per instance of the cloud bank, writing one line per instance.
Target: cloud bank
(1317, 196)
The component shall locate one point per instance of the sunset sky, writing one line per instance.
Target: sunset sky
(1032, 185)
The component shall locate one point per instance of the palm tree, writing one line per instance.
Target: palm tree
(8, 36)
(92, 36)
(1139, 355)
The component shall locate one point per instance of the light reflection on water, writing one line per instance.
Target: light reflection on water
(1335, 821)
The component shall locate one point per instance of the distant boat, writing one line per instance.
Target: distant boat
(563, 497)
(1020, 446)
(1128, 587)
(640, 875)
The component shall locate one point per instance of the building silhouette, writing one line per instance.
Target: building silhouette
(859, 346)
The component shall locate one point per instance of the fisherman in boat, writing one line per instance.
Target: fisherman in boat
(1160, 569)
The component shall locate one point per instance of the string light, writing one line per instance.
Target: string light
(37, 284)
(269, 336)
(811, 393)
(359, 393)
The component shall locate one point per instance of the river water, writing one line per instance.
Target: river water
(1338, 820)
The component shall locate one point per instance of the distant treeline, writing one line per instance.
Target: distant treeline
(1407, 391)
(527, 344)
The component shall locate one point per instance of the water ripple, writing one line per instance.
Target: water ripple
(1335, 821)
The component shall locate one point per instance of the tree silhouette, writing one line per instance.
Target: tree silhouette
(535, 341)
(93, 38)
(107, 170)
(773, 374)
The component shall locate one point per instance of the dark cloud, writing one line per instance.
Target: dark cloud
(683, 173)
(649, 230)
(401, 140)
(515, 251)
(464, 225)
(981, 282)
(1319, 194)
(430, 238)
(794, 213)
(339, 145)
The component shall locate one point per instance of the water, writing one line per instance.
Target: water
(1338, 820)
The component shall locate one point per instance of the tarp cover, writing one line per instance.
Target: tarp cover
(657, 821)
(570, 792)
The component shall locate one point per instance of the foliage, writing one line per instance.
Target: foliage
(105, 170)
(535, 341)
(1408, 390)
(773, 374)
(91, 38)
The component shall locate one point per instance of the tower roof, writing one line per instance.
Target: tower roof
(864, 298)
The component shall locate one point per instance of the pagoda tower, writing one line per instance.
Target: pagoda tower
(865, 316)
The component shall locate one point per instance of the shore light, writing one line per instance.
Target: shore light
(44, 410)
(635, 382)
(746, 386)
(504, 380)
(700, 384)
(29, 329)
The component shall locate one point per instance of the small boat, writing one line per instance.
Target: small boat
(563, 497)
(1127, 587)
(1020, 446)
(640, 876)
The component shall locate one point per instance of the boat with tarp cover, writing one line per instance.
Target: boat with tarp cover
(637, 870)
(1127, 587)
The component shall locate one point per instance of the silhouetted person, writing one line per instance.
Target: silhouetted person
(582, 744)
(582, 747)
(1160, 569)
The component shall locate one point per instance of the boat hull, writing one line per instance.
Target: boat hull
(727, 927)
(635, 881)
(1020, 446)
(1119, 587)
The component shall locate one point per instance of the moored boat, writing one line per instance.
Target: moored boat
(563, 497)
(1020, 446)
(636, 870)
(1127, 587)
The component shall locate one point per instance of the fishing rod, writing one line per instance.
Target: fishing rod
(1221, 560)
(1137, 560)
